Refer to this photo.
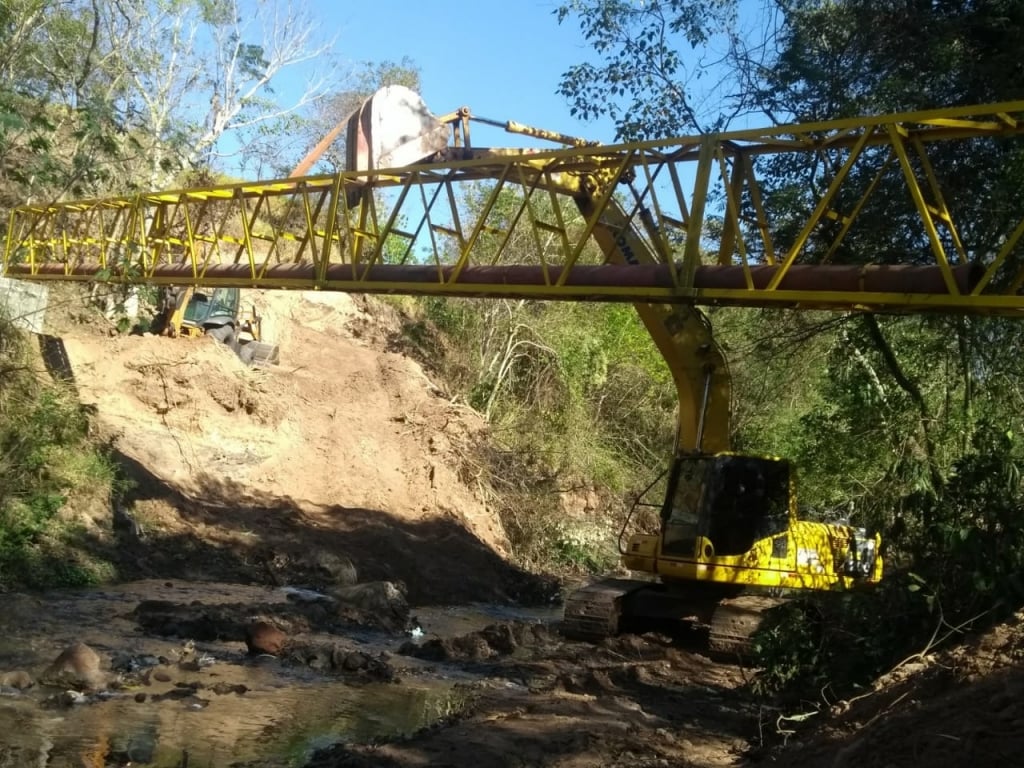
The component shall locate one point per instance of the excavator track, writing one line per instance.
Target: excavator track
(600, 610)
(734, 622)
(593, 612)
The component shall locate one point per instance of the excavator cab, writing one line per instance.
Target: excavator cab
(731, 520)
(195, 312)
(211, 309)
(723, 504)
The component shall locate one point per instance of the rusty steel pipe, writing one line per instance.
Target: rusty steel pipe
(874, 278)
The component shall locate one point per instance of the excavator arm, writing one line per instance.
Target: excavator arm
(394, 128)
(734, 500)
(682, 334)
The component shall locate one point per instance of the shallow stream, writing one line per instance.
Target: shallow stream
(234, 708)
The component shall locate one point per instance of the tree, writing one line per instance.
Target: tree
(666, 68)
(195, 78)
(55, 136)
(111, 96)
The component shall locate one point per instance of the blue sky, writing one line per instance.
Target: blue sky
(502, 58)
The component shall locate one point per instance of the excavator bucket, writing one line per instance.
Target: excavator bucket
(259, 353)
(251, 347)
(391, 129)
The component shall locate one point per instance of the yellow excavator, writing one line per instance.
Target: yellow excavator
(729, 542)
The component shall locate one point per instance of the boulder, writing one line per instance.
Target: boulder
(77, 667)
(337, 570)
(16, 679)
(375, 603)
(264, 637)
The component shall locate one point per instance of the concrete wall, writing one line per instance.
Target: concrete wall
(24, 302)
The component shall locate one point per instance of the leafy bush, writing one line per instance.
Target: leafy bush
(961, 573)
(828, 644)
(971, 549)
(46, 457)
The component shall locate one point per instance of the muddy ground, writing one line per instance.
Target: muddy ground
(181, 683)
(263, 497)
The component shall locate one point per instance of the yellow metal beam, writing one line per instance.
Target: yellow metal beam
(697, 202)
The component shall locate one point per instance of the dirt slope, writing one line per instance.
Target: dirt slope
(343, 436)
(956, 707)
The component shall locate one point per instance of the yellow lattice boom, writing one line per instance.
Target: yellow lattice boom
(476, 222)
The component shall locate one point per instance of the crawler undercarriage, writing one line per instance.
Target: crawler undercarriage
(610, 606)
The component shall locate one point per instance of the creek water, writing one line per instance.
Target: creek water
(234, 710)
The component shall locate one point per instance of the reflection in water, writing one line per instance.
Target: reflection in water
(279, 725)
(284, 714)
(360, 715)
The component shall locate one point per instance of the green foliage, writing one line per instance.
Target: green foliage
(829, 645)
(583, 548)
(577, 398)
(960, 572)
(788, 648)
(890, 421)
(971, 548)
(863, 56)
(46, 458)
(643, 80)
(111, 97)
(375, 75)
(578, 384)
(57, 134)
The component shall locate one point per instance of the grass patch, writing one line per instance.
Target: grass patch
(47, 458)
